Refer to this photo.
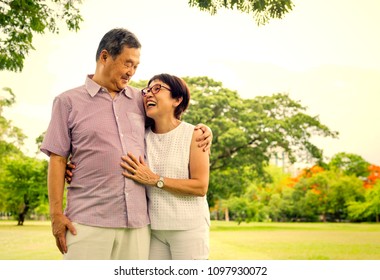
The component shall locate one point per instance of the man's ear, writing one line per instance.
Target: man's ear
(103, 56)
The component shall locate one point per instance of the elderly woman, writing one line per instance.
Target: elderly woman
(178, 174)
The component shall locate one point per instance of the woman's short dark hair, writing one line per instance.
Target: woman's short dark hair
(179, 89)
(115, 40)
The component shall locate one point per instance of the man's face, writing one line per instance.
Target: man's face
(118, 71)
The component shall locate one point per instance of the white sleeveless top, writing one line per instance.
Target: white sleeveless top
(168, 155)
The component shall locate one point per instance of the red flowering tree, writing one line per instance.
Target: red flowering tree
(373, 177)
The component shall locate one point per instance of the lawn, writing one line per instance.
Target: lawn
(295, 241)
(229, 241)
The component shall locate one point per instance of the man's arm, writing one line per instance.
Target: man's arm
(56, 183)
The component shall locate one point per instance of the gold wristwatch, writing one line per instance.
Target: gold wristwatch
(160, 182)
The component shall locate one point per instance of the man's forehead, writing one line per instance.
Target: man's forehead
(130, 54)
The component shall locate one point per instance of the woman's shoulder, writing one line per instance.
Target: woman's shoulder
(189, 128)
(187, 125)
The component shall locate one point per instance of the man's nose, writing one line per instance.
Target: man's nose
(131, 71)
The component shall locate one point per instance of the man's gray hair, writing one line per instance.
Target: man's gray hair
(115, 40)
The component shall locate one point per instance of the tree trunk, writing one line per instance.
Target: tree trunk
(22, 214)
(226, 215)
(324, 217)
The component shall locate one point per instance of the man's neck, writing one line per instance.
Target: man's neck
(101, 82)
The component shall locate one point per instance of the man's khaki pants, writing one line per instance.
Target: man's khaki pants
(98, 243)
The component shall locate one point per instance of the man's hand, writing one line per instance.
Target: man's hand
(205, 140)
(60, 224)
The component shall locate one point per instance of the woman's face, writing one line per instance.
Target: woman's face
(158, 101)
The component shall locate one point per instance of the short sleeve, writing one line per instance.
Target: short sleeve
(57, 139)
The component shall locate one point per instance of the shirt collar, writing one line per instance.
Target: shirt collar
(93, 88)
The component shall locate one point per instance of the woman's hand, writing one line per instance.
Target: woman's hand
(69, 172)
(138, 171)
(205, 140)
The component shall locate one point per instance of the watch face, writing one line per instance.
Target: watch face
(160, 184)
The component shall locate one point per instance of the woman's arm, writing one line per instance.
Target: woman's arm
(197, 185)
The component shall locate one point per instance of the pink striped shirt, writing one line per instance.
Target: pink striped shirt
(97, 130)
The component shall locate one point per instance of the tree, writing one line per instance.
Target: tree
(275, 194)
(373, 201)
(326, 193)
(11, 137)
(350, 164)
(373, 177)
(243, 208)
(261, 10)
(344, 190)
(307, 203)
(20, 20)
(368, 209)
(39, 141)
(22, 179)
(248, 131)
(23, 182)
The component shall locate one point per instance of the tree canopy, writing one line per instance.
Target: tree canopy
(20, 20)
(11, 137)
(350, 164)
(261, 10)
(23, 184)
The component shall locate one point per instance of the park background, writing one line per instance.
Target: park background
(297, 95)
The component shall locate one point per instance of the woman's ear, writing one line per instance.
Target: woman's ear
(177, 102)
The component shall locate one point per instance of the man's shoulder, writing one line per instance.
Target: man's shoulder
(70, 97)
(71, 93)
(78, 89)
(74, 90)
(133, 91)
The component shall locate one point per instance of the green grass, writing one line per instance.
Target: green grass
(229, 241)
(295, 241)
(32, 241)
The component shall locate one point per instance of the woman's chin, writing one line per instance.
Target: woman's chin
(150, 115)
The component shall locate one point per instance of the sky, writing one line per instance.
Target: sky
(324, 54)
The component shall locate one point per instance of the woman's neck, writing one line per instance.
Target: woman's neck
(165, 125)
